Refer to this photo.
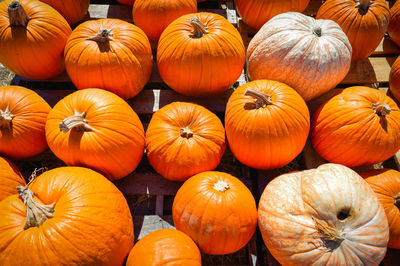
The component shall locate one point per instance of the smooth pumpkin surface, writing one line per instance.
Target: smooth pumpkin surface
(165, 247)
(267, 128)
(217, 211)
(386, 185)
(23, 116)
(394, 25)
(359, 126)
(10, 178)
(394, 79)
(109, 54)
(184, 139)
(97, 129)
(323, 216)
(153, 16)
(256, 13)
(88, 221)
(311, 56)
(32, 49)
(200, 54)
(365, 22)
(72, 10)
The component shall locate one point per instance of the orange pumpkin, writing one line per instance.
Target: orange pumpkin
(394, 25)
(127, 2)
(266, 123)
(323, 216)
(257, 12)
(153, 16)
(32, 38)
(311, 56)
(365, 22)
(66, 216)
(165, 247)
(386, 185)
(97, 129)
(23, 116)
(10, 178)
(217, 211)
(200, 54)
(72, 10)
(109, 54)
(184, 139)
(359, 126)
(394, 79)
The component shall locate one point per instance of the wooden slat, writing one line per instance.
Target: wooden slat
(370, 70)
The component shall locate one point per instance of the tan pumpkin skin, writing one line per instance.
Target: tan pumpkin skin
(394, 25)
(10, 178)
(394, 79)
(288, 49)
(72, 10)
(300, 216)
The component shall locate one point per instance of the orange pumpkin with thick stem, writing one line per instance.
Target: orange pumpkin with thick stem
(10, 178)
(66, 216)
(23, 116)
(394, 25)
(266, 123)
(365, 22)
(32, 38)
(165, 247)
(109, 54)
(200, 54)
(257, 12)
(394, 79)
(184, 139)
(386, 185)
(153, 16)
(72, 10)
(217, 211)
(359, 126)
(97, 129)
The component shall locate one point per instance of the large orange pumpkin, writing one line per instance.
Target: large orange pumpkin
(23, 116)
(311, 56)
(217, 211)
(257, 12)
(359, 126)
(386, 185)
(66, 216)
(32, 38)
(394, 25)
(200, 54)
(184, 139)
(10, 178)
(165, 247)
(109, 54)
(153, 16)
(72, 10)
(97, 129)
(267, 124)
(365, 22)
(323, 216)
(394, 78)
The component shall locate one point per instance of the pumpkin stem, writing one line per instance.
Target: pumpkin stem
(221, 186)
(363, 4)
(397, 200)
(381, 109)
(6, 118)
(199, 29)
(78, 121)
(17, 15)
(186, 133)
(317, 31)
(261, 99)
(104, 35)
(327, 232)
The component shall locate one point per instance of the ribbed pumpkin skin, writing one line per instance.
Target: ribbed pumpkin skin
(10, 178)
(220, 222)
(34, 52)
(394, 25)
(165, 247)
(176, 156)
(153, 16)
(286, 49)
(115, 145)
(127, 2)
(365, 30)
(394, 78)
(72, 10)
(256, 13)
(200, 66)
(295, 207)
(92, 223)
(346, 129)
(122, 65)
(386, 185)
(268, 137)
(27, 135)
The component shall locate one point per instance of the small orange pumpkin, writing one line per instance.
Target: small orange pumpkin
(394, 25)
(394, 79)
(72, 10)
(10, 178)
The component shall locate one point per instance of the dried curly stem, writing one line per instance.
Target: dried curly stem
(77, 121)
(199, 29)
(221, 186)
(381, 109)
(6, 118)
(327, 232)
(104, 35)
(17, 15)
(261, 99)
(186, 133)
